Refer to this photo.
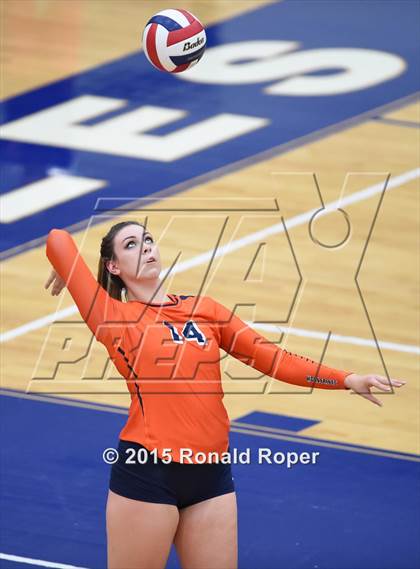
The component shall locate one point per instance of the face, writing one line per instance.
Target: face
(134, 248)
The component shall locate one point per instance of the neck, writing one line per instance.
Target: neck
(147, 291)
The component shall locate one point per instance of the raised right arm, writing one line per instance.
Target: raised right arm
(95, 305)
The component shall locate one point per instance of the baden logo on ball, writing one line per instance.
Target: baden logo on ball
(174, 40)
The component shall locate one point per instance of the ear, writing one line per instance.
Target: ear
(112, 267)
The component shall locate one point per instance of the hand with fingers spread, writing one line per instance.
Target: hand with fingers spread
(362, 384)
(57, 283)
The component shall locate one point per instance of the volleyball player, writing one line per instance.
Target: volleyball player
(167, 348)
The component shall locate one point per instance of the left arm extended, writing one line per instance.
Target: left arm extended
(253, 349)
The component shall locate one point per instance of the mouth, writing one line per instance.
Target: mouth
(151, 260)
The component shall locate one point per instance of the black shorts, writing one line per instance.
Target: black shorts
(179, 484)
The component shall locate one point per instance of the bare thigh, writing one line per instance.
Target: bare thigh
(206, 537)
(139, 534)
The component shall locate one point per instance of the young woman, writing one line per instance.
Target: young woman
(167, 347)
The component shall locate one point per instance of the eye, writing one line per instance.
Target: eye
(127, 246)
(150, 238)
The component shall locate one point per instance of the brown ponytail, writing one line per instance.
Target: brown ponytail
(113, 284)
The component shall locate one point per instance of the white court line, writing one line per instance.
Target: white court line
(336, 338)
(38, 562)
(316, 334)
(38, 323)
(277, 228)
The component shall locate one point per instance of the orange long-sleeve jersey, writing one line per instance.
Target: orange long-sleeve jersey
(169, 354)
